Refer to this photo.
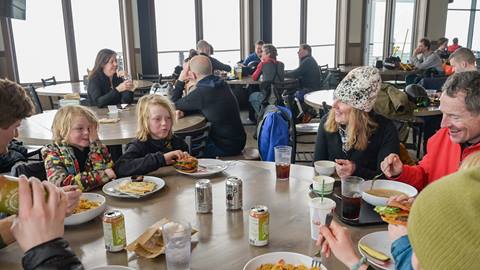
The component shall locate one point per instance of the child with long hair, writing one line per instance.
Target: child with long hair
(156, 145)
(76, 156)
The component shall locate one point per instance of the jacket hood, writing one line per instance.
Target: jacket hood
(211, 81)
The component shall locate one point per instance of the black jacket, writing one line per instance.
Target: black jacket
(215, 100)
(144, 157)
(217, 65)
(308, 73)
(381, 143)
(55, 254)
(101, 94)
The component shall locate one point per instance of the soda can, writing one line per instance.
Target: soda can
(258, 226)
(203, 196)
(114, 231)
(233, 193)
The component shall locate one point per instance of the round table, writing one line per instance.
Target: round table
(36, 130)
(316, 98)
(222, 240)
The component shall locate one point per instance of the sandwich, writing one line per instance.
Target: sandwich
(395, 213)
(188, 164)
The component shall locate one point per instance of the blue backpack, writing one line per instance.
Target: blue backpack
(273, 130)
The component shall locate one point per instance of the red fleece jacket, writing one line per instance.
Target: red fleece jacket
(443, 157)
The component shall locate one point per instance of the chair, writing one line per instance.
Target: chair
(196, 139)
(34, 96)
(323, 72)
(154, 78)
(46, 82)
(32, 169)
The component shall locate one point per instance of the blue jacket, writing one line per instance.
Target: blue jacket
(402, 253)
(273, 130)
(250, 58)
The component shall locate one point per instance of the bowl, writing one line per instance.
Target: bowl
(318, 183)
(90, 214)
(274, 257)
(385, 184)
(324, 167)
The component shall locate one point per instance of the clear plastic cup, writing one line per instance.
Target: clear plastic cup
(351, 197)
(177, 239)
(283, 156)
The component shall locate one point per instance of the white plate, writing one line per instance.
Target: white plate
(207, 167)
(90, 214)
(380, 242)
(274, 257)
(112, 184)
(386, 184)
(112, 267)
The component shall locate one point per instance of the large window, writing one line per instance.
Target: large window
(40, 44)
(221, 28)
(90, 35)
(286, 30)
(402, 29)
(376, 31)
(175, 24)
(321, 30)
(460, 23)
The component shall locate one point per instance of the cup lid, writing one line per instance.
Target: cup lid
(319, 204)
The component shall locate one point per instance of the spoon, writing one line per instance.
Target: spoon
(115, 191)
(375, 179)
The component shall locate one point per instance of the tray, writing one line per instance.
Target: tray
(367, 215)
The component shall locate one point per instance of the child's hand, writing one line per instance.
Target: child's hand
(110, 173)
(170, 157)
(179, 114)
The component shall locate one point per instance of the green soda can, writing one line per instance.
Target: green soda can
(114, 231)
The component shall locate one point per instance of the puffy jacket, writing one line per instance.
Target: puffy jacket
(443, 158)
(52, 255)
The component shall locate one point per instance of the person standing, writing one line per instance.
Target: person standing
(454, 46)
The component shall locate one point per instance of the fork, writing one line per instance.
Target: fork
(317, 257)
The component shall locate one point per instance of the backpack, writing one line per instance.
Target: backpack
(273, 130)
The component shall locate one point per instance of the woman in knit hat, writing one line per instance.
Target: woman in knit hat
(442, 228)
(352, 135)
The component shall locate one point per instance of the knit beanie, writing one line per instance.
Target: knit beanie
(444, 223)
(359, 88)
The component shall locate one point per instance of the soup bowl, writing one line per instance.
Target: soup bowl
(380, 186)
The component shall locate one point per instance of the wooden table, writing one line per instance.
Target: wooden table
(316, 98)
(36, 130)
(246, 80)
(386, 74)
(222, 240)
(59, 90)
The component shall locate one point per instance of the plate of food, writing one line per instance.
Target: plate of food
(199, 167)
(133, 187)
(281, 260)
(376, 248)
(90, 206)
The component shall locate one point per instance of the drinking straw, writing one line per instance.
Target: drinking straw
(323, 190)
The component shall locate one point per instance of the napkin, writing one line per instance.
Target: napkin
(108, 120)
(150, 243)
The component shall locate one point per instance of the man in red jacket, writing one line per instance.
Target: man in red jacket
(458, 137)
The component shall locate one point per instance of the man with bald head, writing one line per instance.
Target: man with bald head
(214, 99)
(205, 48)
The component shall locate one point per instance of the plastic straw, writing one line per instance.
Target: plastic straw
(323, 190)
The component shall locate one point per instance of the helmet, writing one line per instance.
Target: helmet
(417, 94)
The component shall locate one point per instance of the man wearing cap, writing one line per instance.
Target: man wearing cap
(458, 137)
(352, 135)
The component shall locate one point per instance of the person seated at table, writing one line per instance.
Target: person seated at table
(442, 48)
(307, 72)
(426, 223)
(352, 135)
(463, 60)
(215, 100)
(256, 55)
(156, 145)
(204, 48)
(269, 70)
(105, 85)
(423, 58)
(458, 137)
(454, 46)
(77, 156)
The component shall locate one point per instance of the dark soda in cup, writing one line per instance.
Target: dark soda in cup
(283, 171)
(351, 205)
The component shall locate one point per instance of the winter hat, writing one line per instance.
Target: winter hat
(443, 226)
(359, 88)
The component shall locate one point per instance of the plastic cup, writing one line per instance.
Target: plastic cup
(351, 197)
(320, 187)
(283, 156)
(318, 213)
(177, 239)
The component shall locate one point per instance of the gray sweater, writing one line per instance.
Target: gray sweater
(427, 61)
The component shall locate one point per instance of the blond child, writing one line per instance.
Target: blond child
(155, 145)
(76, 156)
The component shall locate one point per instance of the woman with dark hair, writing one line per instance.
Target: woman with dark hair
(105, 87)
